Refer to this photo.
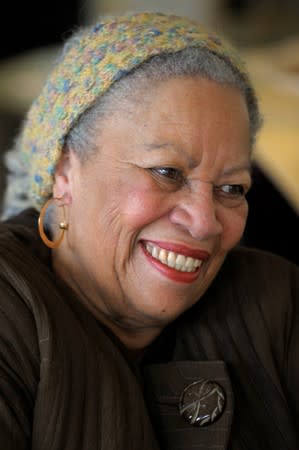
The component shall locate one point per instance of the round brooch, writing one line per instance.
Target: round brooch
(202, 402)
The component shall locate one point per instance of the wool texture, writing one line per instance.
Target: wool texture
(99, 56)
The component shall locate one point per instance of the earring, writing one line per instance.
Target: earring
(62, 225)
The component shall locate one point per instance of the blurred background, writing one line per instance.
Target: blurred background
(266, 33)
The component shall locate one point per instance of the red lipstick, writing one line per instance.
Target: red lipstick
(182, 249)
(172, 273)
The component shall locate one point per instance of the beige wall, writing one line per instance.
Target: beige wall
(206, 11)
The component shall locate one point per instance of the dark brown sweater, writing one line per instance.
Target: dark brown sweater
(67, 384)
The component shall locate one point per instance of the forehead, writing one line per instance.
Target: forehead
(191, 96)
(184, 109)
(181, 96)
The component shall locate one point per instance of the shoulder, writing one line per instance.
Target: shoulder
(249, 314)
(264, 289)
(22, 253)
(256, 276)
(19, 271)
(19, 344)
(24, 281)
(255, 264)
(256, 293)
(20, 232)
(252, 272)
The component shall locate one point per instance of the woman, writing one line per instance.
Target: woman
(142, 327)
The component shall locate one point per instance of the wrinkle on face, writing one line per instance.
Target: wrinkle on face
(118, 202)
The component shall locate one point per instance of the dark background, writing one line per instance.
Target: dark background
(32, 23)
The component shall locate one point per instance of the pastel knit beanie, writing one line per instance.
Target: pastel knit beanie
(99, 56)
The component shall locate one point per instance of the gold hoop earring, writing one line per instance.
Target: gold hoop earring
(62, 225)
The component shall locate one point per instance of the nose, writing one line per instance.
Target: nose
(196, 212)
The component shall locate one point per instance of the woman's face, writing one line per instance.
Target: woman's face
(153, 214)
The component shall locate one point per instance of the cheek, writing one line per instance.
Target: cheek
(143, 205)
(233, 221)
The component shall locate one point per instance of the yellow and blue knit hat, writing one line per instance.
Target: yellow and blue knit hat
(99, 56)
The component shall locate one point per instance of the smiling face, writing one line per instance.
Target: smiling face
(153, 214)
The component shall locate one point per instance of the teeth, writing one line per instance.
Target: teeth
(155, 252)
(189, 262)
(172, 259)
(161, 255)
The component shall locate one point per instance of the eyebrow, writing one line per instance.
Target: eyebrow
(191, 162)
(241, 168)
(174, 148)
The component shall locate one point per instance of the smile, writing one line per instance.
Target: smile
(173, 260)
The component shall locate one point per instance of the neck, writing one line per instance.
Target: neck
(135, 340)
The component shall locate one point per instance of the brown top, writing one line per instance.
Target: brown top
(67, 384)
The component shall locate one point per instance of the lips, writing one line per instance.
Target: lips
(175, 261)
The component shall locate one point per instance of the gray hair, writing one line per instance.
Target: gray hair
(191, 62)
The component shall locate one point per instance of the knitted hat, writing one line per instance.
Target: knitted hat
(99, 56)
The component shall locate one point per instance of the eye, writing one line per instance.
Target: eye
(170, 173)
(234, 190)
(231, 195)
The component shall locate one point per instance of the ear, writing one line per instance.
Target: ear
(62, 186)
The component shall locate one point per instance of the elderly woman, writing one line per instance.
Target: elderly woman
(130, 318)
